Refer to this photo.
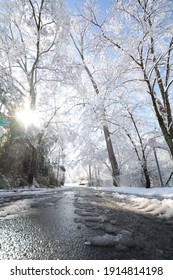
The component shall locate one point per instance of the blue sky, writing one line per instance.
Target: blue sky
(103, 4)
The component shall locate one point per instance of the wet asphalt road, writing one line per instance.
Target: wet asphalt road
(57, 225)
(48, 231)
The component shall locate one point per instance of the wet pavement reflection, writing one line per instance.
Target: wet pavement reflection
(48, 231)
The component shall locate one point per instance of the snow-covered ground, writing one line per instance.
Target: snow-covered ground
(162, 192)
(27, 191)
(26, 197)
(12, 209)
(157, 201)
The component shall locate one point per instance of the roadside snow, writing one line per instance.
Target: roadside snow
(15, 208)
(163, 208)
(22, 205)
(163, 192)
(32, 191)
(156, 201)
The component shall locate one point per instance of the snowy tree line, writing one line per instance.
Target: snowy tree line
(97, 89)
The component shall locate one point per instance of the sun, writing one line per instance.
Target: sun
(28, 117)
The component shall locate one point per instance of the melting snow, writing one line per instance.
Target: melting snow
(104, 240)
(108, 239)
(15, 208)
(166, 192)
(156, 201)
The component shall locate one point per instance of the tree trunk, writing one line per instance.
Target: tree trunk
(147, 177)
(143, 161)
(166, 134)
(90, 176)
(114, 164)
(113, 161)
(32, 168)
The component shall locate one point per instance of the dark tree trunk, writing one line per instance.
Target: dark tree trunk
(90, 176)
(32, 166)
(147, 177)
(113, 161)
(167, 132)
(145, 168)
(143, 161)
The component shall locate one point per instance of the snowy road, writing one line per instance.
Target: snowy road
(83, 223)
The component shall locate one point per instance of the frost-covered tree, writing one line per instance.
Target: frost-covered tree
(142, 32)
(136, 130)
(32, 35)
(95, 69)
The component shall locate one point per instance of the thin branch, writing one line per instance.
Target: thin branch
(167, 182)
(168, 63)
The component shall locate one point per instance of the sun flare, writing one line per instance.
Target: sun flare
(28, 117)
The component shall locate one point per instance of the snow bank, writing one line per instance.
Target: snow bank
(132, 197)
(141, 199)
(163, 192)
(33, 191)
(23, 205)
(15, 208)
(154, 206)
(163, 208)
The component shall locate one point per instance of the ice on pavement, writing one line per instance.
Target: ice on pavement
(108, 239)
(104, 240)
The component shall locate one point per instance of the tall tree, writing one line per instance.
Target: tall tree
(142, 32)
(83, 46)
(32, 35)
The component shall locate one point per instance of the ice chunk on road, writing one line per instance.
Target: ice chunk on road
(104, 240)
(108, 239)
